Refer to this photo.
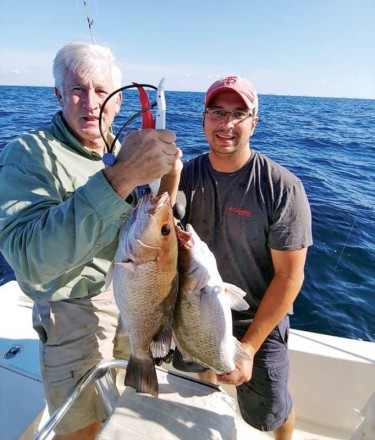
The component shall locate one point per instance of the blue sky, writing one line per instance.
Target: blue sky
(287, 47)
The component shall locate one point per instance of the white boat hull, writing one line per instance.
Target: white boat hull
(331, 381)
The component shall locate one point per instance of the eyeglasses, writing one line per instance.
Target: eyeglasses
(219, 115)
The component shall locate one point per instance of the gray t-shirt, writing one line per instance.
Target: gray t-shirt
(241, 215)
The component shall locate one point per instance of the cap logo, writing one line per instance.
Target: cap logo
(229, 80)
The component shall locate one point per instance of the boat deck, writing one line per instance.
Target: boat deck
(303, 431)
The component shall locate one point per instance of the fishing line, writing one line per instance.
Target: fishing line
(347, 238)
(89, 22)
(109, 158)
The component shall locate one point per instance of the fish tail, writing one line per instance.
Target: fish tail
(141, 375)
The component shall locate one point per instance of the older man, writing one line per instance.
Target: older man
(61, 210)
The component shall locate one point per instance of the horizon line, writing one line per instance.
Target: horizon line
(196, 91)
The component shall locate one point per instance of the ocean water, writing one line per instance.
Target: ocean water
(328, 143)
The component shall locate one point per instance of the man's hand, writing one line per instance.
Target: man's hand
(243, 371)
(145, 156)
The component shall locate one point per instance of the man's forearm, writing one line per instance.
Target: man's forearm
(275, 304)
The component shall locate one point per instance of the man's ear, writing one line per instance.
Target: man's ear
(59, 97)
(118, 101)
(254, 124)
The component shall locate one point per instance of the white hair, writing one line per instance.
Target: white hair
(83, 58)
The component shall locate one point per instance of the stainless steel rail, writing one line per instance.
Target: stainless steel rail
(105, 385)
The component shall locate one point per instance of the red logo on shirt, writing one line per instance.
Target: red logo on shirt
(241, 212)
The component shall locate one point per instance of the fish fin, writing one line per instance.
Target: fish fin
(235, 297)
(183, 355)
(121, 329)
(141, 375)
(109, 277)
(183, 362)
(161, 344)
(240, 352)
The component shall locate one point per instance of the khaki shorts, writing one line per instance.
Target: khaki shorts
(77, 335)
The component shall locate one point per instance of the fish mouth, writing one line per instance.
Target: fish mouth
(152, 204)
(158, 201)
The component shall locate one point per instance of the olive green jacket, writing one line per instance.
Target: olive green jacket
(59, 217)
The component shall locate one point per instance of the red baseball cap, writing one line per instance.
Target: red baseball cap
(237, 84)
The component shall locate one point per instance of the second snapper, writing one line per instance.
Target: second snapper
(145, 283)
(202, 325)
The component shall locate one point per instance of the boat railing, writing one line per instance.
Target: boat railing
(102, 378)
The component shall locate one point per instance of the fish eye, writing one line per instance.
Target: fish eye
(165, 229)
